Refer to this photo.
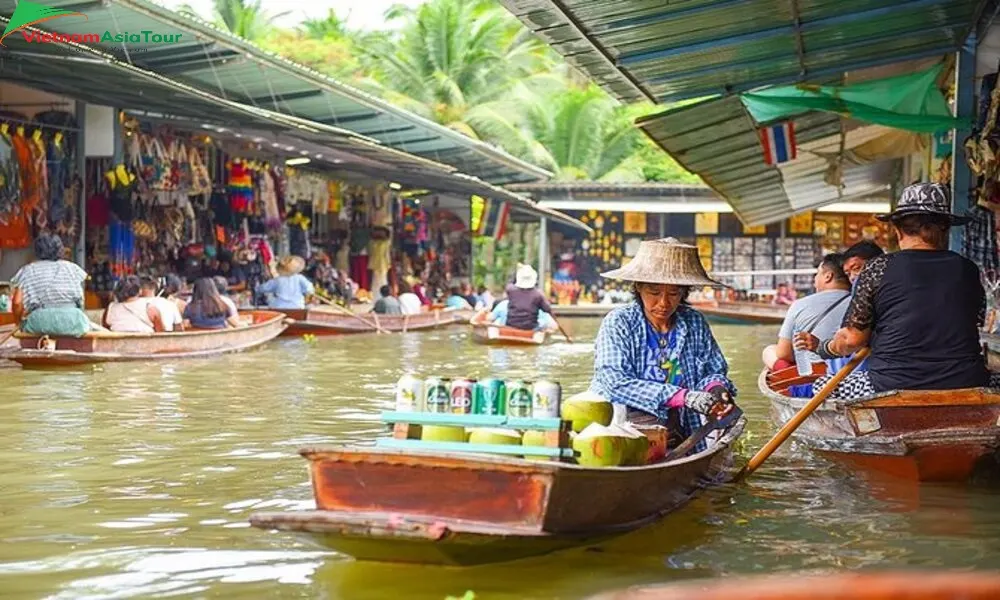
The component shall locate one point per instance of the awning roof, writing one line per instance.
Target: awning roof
(81, 72)
(718, 140)
(669, 51)
(235, 69)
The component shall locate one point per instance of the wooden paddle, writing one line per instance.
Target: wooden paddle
(713, 423)
(789, 428)
(4, 339)
(562, 331)
(348, 311)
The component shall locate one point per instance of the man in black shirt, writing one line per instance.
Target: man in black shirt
(919, 309)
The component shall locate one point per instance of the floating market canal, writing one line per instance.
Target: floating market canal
(136, 480)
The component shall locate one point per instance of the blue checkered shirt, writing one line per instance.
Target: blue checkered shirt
(620, 362)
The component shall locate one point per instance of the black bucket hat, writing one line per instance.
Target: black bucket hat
(925, 199)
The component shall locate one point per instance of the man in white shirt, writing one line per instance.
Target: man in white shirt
(169, 314)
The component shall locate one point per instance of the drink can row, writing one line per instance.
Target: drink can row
(489, 396)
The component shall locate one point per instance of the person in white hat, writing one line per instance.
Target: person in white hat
(657, 355)
(525, 302)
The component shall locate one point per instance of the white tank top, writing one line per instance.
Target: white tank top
(129, 317)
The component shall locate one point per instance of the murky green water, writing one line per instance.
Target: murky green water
(136, 481)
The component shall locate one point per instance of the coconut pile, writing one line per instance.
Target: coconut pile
(600, 438)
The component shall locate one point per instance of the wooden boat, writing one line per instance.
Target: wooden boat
(756, 313)
(910, 585)
(104, 346)
(496, 335)
(320, 320)
(465, 509)
(943, 436)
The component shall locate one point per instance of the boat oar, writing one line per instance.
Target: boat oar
(789, 428)
(6, 337)
(562, 331)
(713, 423)
(350, 312)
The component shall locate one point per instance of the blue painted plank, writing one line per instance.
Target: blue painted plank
(425, 418)
(422, 446)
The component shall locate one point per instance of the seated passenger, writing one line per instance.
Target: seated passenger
(48, 293)
(170, 316)
(223, 288)
(919, 309)
(387, 304)
(130, 312)
(498, 316)
(206, 310)
(290, 288)
(456, 300)
(857, 256)
(820, 313)
(526, 301)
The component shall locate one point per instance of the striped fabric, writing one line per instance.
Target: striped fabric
(493, 222)
(50, 284)
(778, 142)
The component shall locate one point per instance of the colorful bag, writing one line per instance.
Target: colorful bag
(201, 181)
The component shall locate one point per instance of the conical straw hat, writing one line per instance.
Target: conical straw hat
(664, 261)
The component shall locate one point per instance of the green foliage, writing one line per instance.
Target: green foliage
(244, 18)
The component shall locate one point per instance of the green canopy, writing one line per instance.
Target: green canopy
(911, 102)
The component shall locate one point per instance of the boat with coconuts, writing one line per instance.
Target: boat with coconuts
(474, 489)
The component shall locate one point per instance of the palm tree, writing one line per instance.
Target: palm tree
(329, 27)
(244, 18)
(452, 55)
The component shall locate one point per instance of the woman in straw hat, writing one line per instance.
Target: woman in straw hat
(290, 288)
(920, 309)
(656, 355)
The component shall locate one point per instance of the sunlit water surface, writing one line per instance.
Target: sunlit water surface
(136, 480)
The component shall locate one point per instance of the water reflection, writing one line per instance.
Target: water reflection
(136, 480)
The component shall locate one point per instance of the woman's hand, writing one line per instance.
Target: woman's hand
(806, 341)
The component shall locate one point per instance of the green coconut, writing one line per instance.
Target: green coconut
(506, 437)
(534, 437)
(586, 408)
(636, 444)
(442, 433)
(599, 446)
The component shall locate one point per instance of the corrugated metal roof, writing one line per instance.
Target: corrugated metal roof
(235, 69)
(82, 72)
(553, 189)
(669, 51)
(718, 140)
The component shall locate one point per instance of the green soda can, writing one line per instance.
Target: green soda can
(437, 395)
(490, 397)
(518, 399)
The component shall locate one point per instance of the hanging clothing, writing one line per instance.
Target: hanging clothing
(359, 272)
(980, 242)
(57, 165)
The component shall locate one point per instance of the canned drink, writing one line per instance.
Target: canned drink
(546, 396)
(461, 395)
(490, 397)
(518, 399)
(409, 394)
(437, 395)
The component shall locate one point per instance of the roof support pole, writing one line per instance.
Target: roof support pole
(543, 253)
(961, 177)
(800, 48)
(81, 173)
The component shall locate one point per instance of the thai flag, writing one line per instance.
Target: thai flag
(778, 142)
(493, 222)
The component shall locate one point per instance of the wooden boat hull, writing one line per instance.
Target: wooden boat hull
(909, 585)
(939, 436)
(507, 336)
(752, 313)
(377, 505)
(122, 347)
(324, 321)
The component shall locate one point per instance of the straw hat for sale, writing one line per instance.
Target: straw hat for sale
(664, 261)
(290, 265)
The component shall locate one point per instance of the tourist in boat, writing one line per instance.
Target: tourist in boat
(290, 288)
(656, 355)
(498, 316)
(130, 312)
(173, 286)
(408, 301)
(387, 304)
(525, 301)
(206, 310)
(858, 255)
(48, 293)
(170, 316)
(456, 300)
(820, 313)
(484, 299)
(784, 295)
(919, 309)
